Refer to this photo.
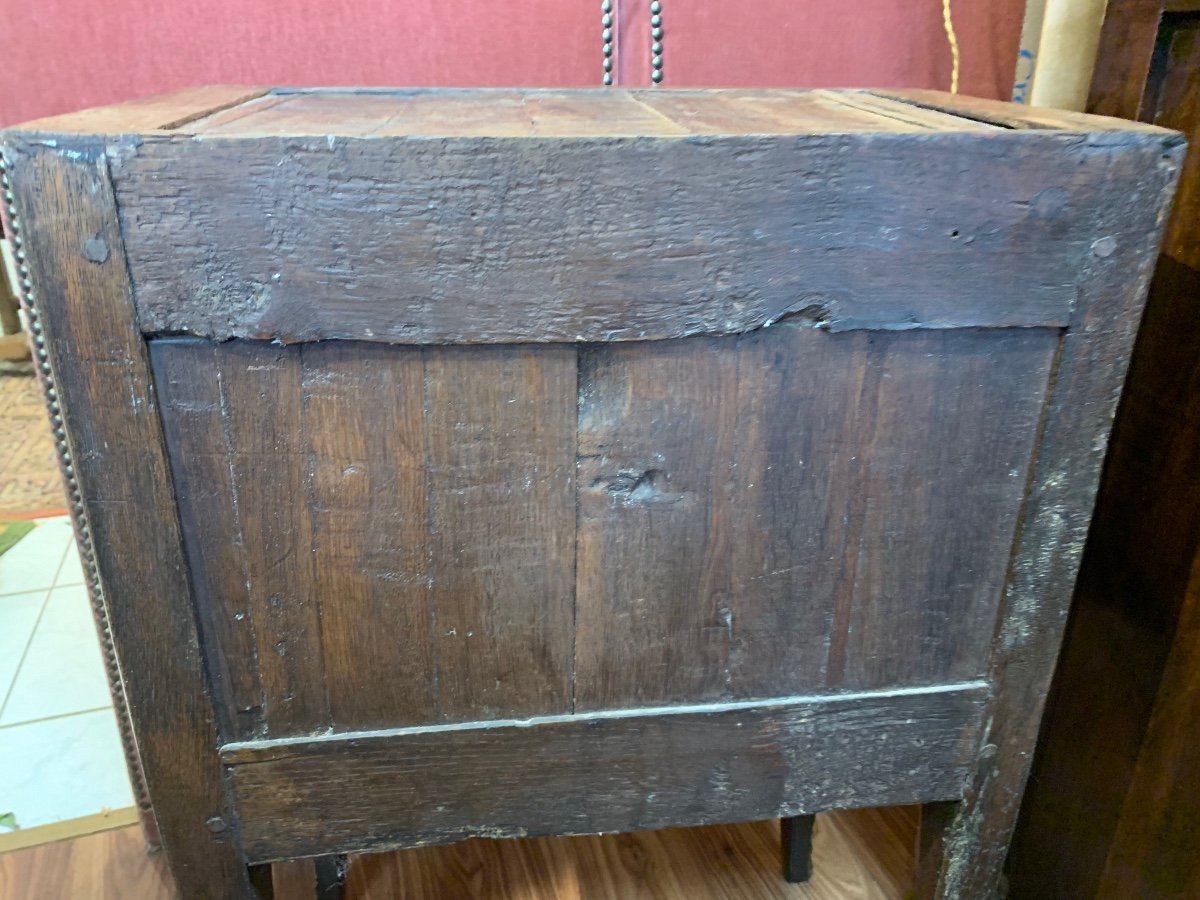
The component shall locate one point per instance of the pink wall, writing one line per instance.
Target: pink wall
(828, 43)
(63, 54)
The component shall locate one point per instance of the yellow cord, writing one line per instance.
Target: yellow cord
(952, 38)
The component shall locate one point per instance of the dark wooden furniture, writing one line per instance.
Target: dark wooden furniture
(460, 463)
(1112, 807)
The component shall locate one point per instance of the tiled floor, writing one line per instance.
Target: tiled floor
(60, 754)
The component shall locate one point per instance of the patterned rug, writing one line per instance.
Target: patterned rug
(29, 480)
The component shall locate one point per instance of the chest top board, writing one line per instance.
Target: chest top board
(549, 462)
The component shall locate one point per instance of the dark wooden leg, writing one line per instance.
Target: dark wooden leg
(936, 820)
(331, 877)
(261, 879)
(797, 833)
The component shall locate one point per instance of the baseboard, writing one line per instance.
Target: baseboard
(67, 829)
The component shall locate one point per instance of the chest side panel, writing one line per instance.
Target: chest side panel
(394, 536)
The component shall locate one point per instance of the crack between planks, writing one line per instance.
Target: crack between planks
(250, 98)
(864, 415)
(840, 100)
(429, 521)
(310, 458)
(260, 725)
(1008, 125)
(575, 559)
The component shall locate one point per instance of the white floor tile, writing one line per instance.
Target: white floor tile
(63, 671)
(62, 769)
(34, 561)
(18, 615)
(71, 571)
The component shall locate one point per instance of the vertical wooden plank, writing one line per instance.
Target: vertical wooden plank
(833, 501)
(104, 412)
(363, 414)
(1124, 57)
(956, 415)
(1132, 205)
(262, 397)
(656, 426)
(806, 409)
(1153, 851)
(500, 426)
(189, 391)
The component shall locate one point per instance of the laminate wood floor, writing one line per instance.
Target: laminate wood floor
(862, 854)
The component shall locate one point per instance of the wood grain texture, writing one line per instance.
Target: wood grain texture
(1016, 115)
(461, 240)
(192, 406)
(611, 772)
(314, 565)
(806, 407)
(363, 410)
(110, 865)
(943, 470)
(1153, 853)
(715, 479)
(758, 515)
(765, 516)
(268, 460)
(653, 614)
(1133, 584)
(106, 397)
(1090, 370)
(1173, 101)
(159, 112)
(511, 112)
(1123, 59)
(381, 536)
(501, 438)
(1094, 821)
(858, 855)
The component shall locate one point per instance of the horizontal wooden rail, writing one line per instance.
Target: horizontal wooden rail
(613, 771)
(431, 240)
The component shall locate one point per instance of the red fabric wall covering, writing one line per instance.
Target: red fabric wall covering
(62, 55)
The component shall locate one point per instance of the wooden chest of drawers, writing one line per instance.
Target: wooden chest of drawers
(455, 463)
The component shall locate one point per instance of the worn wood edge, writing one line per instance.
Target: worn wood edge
(152, 113)
(1060, 492)
(23, 288)
(889, 108)
(943, 113)
(193, 116)
(818, 306)
(196, 103)
(80, 154)
(250, 752)
(758, 762)
(1016, 116)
